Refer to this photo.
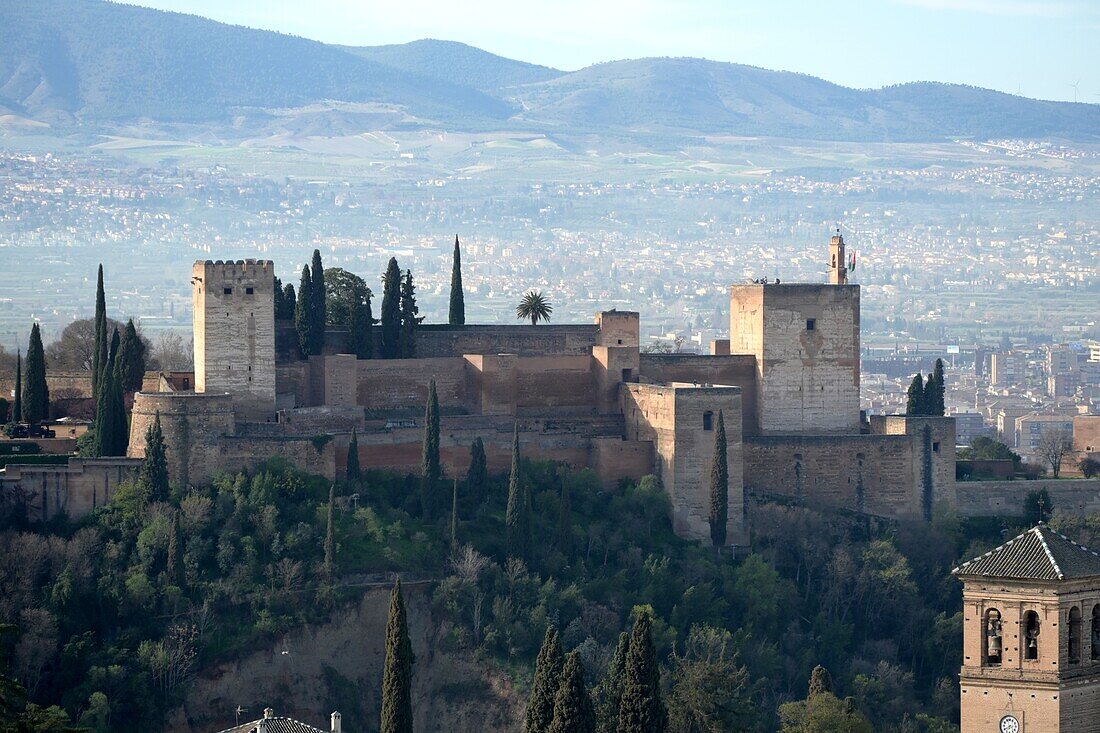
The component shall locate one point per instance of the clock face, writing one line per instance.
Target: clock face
(1009, 724)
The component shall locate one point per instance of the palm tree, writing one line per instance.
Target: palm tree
(535, 306)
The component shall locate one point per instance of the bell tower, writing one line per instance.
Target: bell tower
(838, 265)
(1031, 637)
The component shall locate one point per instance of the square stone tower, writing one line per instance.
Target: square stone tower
(234, 321)
(805, 338)
(1031, 637)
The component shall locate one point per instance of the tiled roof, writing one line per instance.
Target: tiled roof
(1038, 554)
(276, 725)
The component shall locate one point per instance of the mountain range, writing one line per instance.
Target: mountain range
(93, 63)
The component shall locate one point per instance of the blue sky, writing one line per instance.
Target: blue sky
(1038, 48)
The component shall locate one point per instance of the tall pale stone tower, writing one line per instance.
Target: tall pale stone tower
(838, 264)
(234, 321)
(1031, 637)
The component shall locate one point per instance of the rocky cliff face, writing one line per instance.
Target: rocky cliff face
(338, 666)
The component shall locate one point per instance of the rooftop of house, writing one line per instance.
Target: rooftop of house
(272, 723)
(1040, 553)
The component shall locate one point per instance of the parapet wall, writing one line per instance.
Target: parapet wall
(77, 488)
(193, 424)
(1007, 498)
(737, 370)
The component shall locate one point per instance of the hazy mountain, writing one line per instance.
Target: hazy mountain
(96, 63)
(457, 63)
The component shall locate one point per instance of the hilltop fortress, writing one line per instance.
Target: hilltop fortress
(787, 383)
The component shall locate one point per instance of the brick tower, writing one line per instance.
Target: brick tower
(1031, 637)
(234, 319)
(838, 265)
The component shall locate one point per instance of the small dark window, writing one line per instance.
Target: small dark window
(186, 383)
(708, 420)
(628, 375)
(811, 324)
(936, 447)
(227, 291)
(249, 291)
(620, 342)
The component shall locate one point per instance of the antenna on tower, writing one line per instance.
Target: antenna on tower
(238, 712)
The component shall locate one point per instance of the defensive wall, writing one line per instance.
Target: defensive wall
(1008, 498)
(44, 491)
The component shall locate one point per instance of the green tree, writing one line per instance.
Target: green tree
(330, 534)
(548, 667)
(153, 475)
(17, 406)
(565, 517)
(111, 429)
(516, 519)
(430, 469)
(477, 475)
(609, 692)
(131, 355)
(454, 517)
(409, 319)
(289, 303)
(391, 311)
(573, 712)
(534, 306)
(719, 486)
(820, 681)
(354, 472)
(278, 298)
(348, 303)
(710, 691)
(456, 313)
(319, 294)
(36, 395)
(822, 711)
(641, 709)
(99, 355)
(175, 568)
(934, 397)
(397, 672)
(915, 396)
(304, 322)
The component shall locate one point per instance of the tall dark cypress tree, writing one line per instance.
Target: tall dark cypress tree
(548, 665)
(278, 296)
(456, 314)
(391, 311)
(565, 518)
(36, 395)
(110, 420)
(573, 711)
(17, 408)
(430, 470)
(409, 317)
(290, 303)
(719, 486)
(397, 672)
(354, 472)
(477, 476)
(454, 516)
(318, 307)
(131, 358)
(304, 322)
(609, 693)
(934, 397)
(99, 354)
(361, 326)
(330, 535)
(516, 525)
(641, 709)
(153, 476)
(175, 569)
(914, 404)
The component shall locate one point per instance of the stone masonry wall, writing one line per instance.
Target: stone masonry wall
(194, 425)
(76, 488)
(737, 370)
(1006, 498)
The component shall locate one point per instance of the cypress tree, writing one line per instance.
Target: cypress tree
(277, 298)
(820, 681)
(290, 303)
(175, 570)
(565, 518)
(609, 693)
(391, 311)
(477, 476)
(515, 523)
(409, 319)
(99, 354)
(330, 535)
(719, 486)
(548, 666)
(131, 356)
(456, 314)
(360, 326)
(935, 397)
(318, 305)
(36, 395)
(573, 712)
(303, 314)
(110, 420)
(354, 473)
(430, 469)
(641, 709)
(397, 672)
(915, 396)
(17, 408)
(454, 516)
(153, 476)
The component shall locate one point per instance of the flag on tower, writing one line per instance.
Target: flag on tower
(852, 262)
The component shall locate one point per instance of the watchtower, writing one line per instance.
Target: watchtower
(1031, 637)
(234, 322)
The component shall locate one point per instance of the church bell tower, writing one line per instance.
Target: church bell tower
(1031, 637)
(838, 265)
